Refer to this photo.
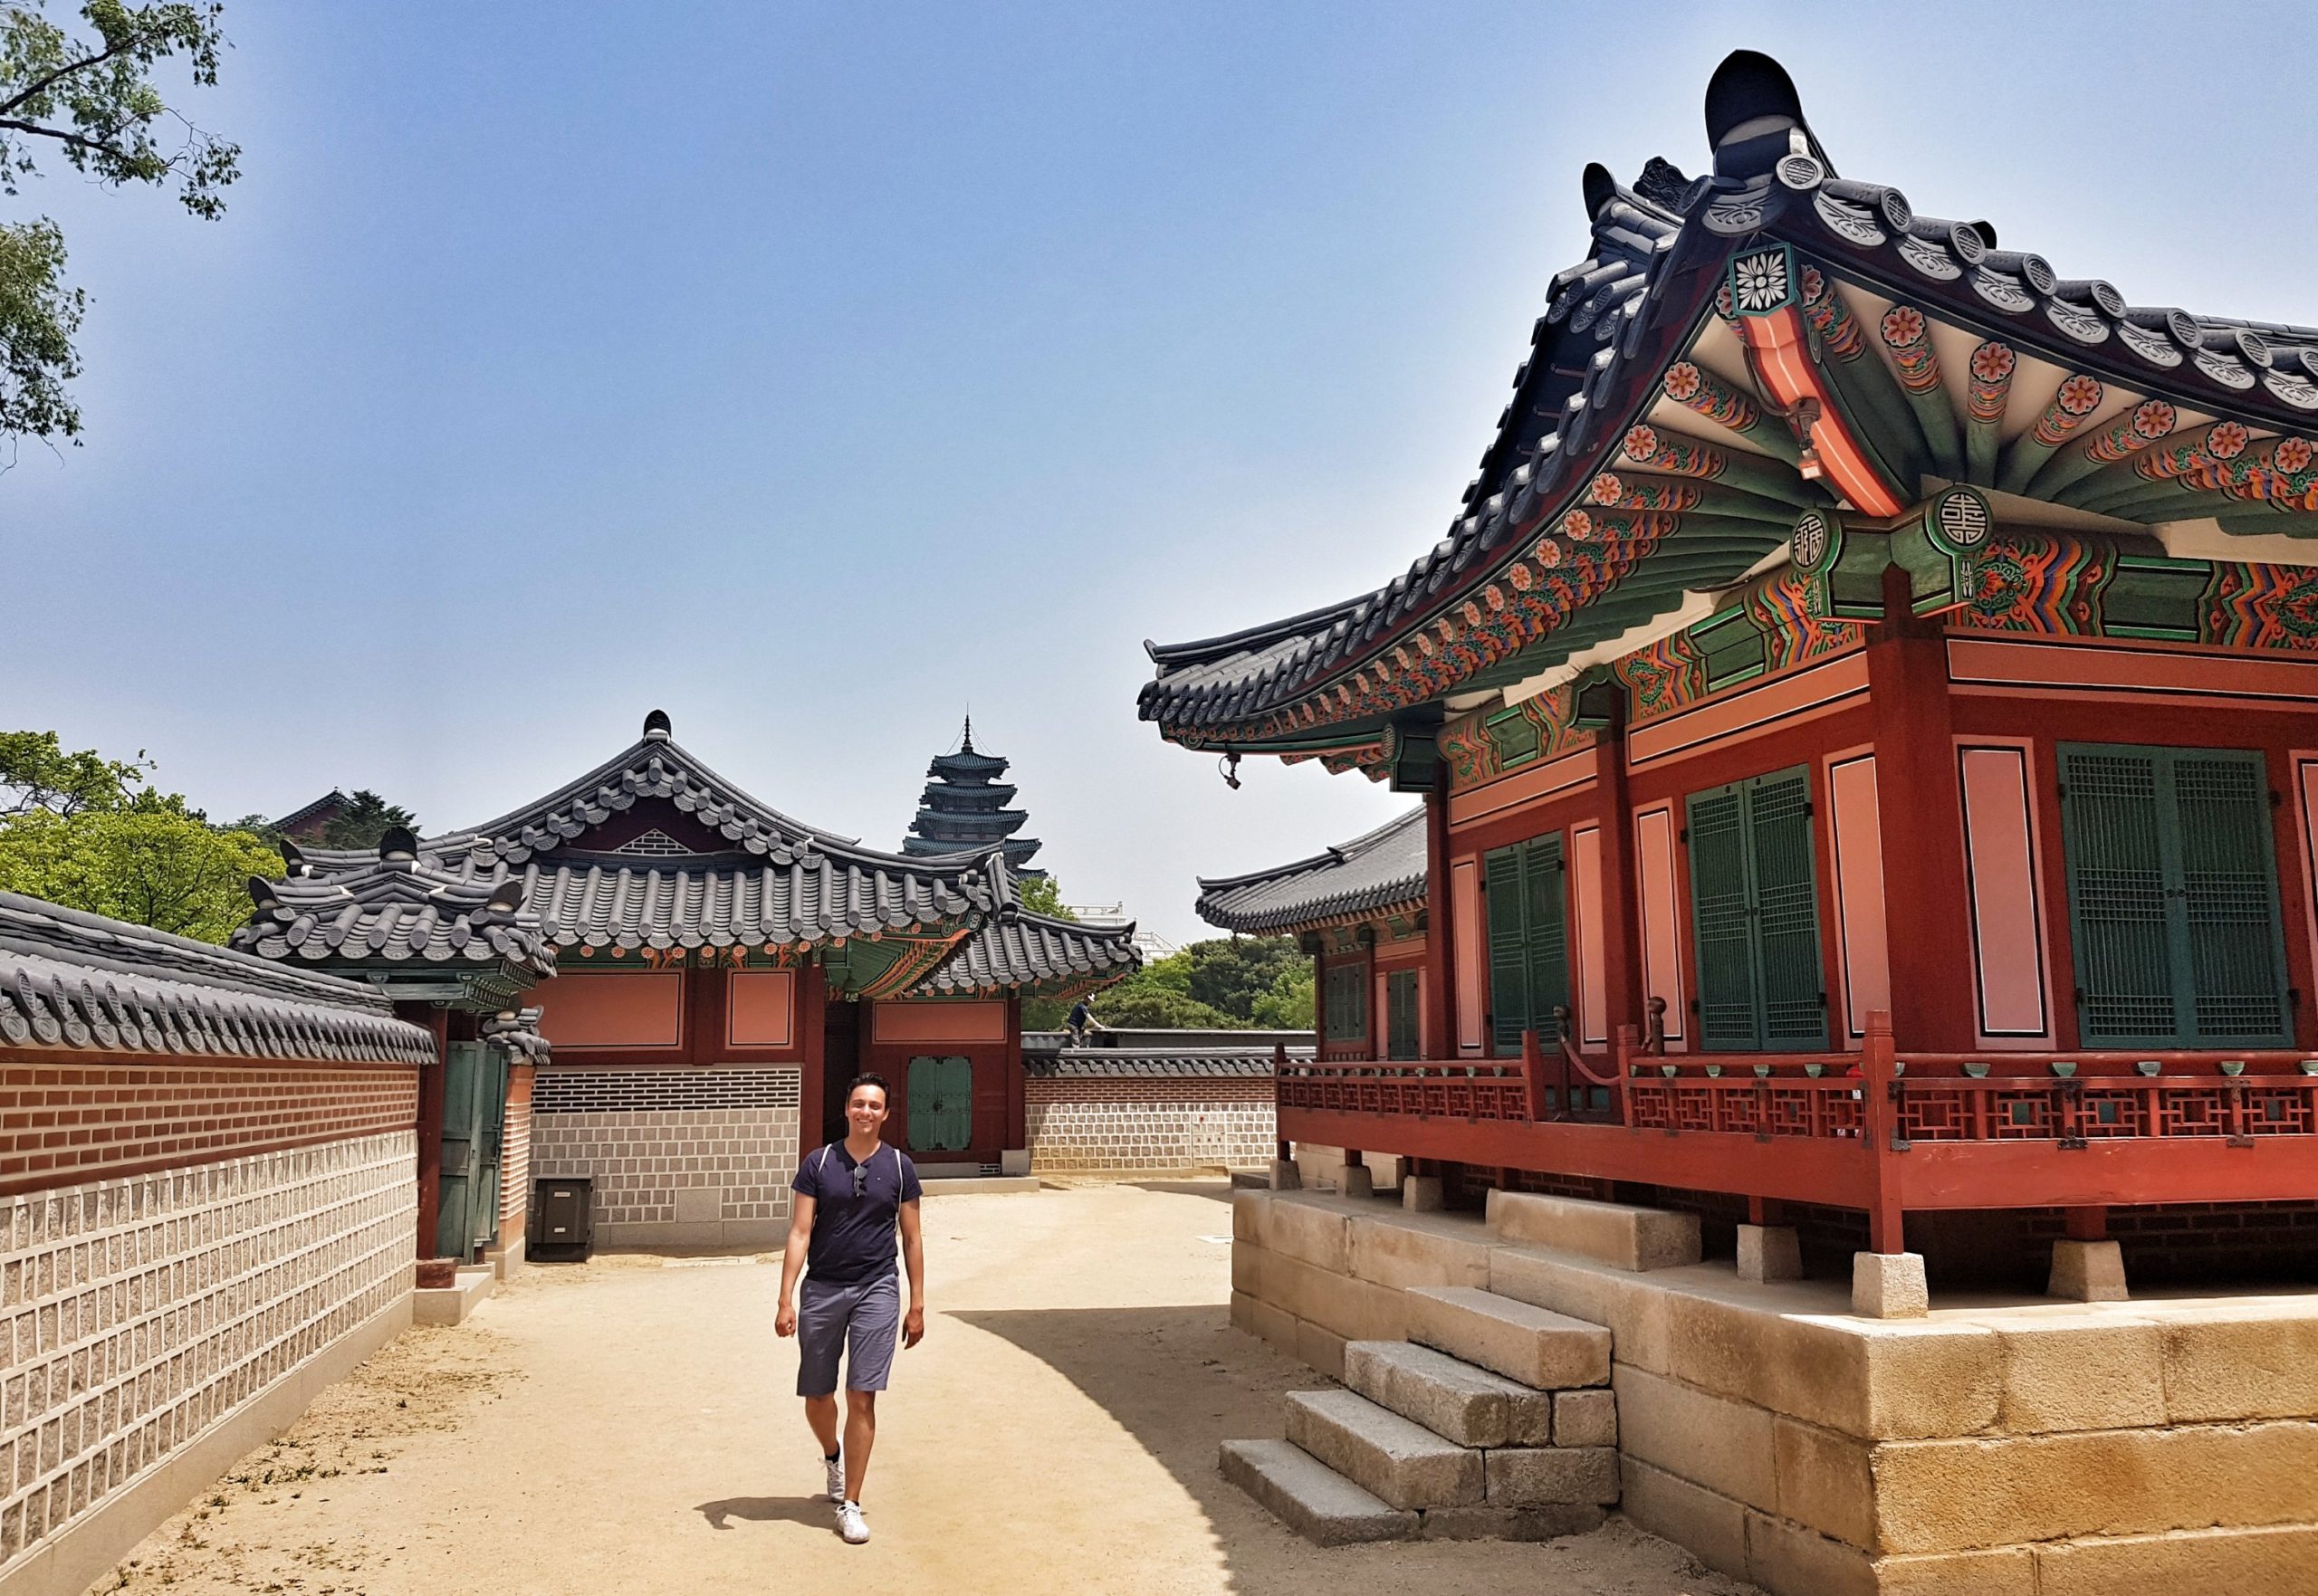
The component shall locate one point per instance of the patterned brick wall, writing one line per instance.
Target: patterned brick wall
(135, 1313)
(691, 1147)
(63, 1123)
(1102, 1125)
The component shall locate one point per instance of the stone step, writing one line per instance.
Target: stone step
(1453, 1398)
(1616, 1233)
(1311, 1498)
(1551, 1476)
(1536, 1346)
(1509, 1523)
(1396, 1459)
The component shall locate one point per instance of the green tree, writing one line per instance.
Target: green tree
(158, 863)
(1042, 895)
(36, 773)
(1230, 973)
(92, 833)
(1288, 1005)
(366, 818)
(85, 92)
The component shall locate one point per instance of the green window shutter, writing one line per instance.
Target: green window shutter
(2173, 898)
(1508, 958)
(1786, 901)
(1400, 1015)
(2235, 992)
(1729, 1010)
(1547, 933)
(2113, 827)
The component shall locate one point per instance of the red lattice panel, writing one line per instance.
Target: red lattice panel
(2278, 1111)
(2193, 1111)
(1649, 1107)
(2113, 1114)
(1693, 1107)
(2033, 1114)
(1936, 1114)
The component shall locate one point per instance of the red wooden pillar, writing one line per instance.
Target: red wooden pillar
(812, 1046)
(1927, 921)
(1018, 1130)
(1439, 1040)
(430, 1124)
(1621, 907)
(1878, 1126)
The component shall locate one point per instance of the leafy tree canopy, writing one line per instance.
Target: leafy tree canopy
(1226, 983)
(83, 91)
(36, 773)
(1042, 895)
(91, 833)
(366, 818)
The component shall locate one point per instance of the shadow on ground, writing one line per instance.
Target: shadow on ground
(1214, 1191)
(813, 1510)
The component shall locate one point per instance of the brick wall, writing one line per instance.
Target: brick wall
(137, 1313)
(693, 1157)
(64, 1124)
(1103, 1124)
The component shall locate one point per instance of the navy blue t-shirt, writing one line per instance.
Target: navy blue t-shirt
(853, 1236)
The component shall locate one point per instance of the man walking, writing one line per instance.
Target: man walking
(851, 1197)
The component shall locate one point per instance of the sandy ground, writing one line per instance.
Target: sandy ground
(629, 1425)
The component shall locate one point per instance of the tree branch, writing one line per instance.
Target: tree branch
(78, 141)
(43, 85)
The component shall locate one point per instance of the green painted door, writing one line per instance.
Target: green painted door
(1400, 1032)
(2173, 904)
(1528, 940)
(941, 1105)
(474, 1098)
(1755, 915)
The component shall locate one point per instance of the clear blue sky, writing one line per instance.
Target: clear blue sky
(812, 371)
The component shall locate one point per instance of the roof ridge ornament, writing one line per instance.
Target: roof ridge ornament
(399, 845)
(657, 728)
(1754, 116)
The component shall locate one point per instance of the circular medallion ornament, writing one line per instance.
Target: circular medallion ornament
(1813, 542)
(1959, 519)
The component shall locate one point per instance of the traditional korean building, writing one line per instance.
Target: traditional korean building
(1864, 650)
(1359, 909)
(719, 971)
(966, 808)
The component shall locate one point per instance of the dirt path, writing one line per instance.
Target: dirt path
(628, 1426)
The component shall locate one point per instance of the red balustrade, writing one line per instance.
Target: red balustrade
(1899, 1130)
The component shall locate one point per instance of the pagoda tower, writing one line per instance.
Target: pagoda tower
(964, 808)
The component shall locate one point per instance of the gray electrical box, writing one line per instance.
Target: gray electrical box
(562, 1220)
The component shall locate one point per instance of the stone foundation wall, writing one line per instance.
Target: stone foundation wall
(679, 1158)
(140, 1317)
(2044, 1450)
(1148, 1124)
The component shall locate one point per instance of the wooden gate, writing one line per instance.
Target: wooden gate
(941, 1105)
(474, 1114)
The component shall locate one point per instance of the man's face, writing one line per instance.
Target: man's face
(865, 1111)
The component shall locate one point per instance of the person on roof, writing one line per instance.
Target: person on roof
(1082, 1023)
(852, 1196)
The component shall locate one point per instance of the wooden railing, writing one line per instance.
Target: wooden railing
(1876, 1128)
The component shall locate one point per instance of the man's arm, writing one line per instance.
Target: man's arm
(913, 1262)
(792, 1263)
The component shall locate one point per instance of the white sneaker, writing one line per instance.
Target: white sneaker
(836, 1477)
(851, 1524)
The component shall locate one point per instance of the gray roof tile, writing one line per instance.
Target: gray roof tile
(81, 981)
(1382, 869)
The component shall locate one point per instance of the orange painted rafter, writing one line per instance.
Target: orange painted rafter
(1785, 365)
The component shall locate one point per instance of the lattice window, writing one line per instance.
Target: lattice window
(655, 844)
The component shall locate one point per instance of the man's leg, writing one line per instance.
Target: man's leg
(860, 1435)
(820, 1412)
(870, 1340)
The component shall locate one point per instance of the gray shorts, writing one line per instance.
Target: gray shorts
(864, 1321)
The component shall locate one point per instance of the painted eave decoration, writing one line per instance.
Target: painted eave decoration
(1378, 874)
(1736, 352)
